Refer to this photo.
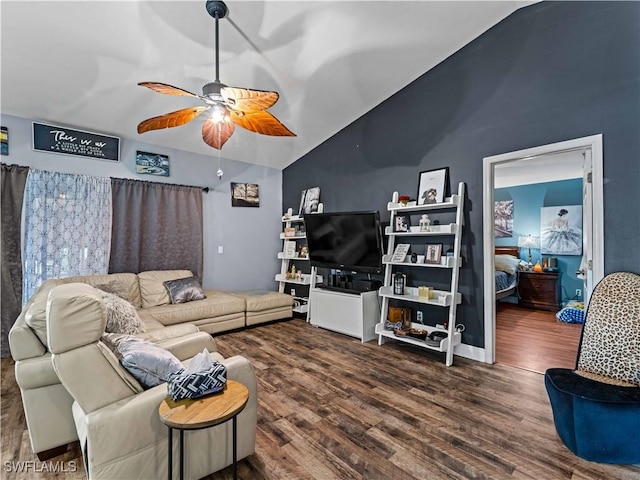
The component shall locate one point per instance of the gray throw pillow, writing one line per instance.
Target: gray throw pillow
(121, 315)
(147, 363)
(184, 290)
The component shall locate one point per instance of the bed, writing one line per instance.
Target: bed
(506, 271)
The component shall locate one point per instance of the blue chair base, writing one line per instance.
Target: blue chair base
(596, 421)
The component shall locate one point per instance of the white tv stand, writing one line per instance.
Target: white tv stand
(352, 314)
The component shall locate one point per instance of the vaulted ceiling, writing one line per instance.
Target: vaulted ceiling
(78, 63)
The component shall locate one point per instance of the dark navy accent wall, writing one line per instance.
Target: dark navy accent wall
(550, 72)
(527, 202)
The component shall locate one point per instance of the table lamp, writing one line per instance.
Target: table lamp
(529, 242)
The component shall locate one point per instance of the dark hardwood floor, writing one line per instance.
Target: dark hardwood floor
(333, 408)
(534, 339)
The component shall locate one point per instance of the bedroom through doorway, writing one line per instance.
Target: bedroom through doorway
(522, 329)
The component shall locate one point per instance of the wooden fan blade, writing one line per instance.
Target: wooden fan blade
(216, 134)
(261, 122)
(167, 89)
(246, 100)
(169, 120)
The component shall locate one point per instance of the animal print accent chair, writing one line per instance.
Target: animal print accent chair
(610, 345)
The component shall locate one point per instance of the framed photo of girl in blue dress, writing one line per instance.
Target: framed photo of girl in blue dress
(433, 186)
(561, 230)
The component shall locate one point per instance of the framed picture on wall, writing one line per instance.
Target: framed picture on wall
(245, 195)
(433, 186)
(503, 218)
(152, 164)
(561, 230)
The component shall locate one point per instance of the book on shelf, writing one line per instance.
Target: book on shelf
(400, 253)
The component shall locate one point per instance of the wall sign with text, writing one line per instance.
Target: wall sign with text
(68, 141)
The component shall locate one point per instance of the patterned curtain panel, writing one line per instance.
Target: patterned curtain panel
(14, 178)
(67, 227)
(156, 226)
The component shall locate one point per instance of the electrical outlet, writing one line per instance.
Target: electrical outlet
(419, 316)
(578, 293)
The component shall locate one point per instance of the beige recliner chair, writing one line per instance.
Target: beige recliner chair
(118, 426)
(47, 404)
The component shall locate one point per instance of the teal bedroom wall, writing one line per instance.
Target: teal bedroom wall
(527, 202)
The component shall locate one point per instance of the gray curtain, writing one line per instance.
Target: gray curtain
(156, 226)
(14, 178)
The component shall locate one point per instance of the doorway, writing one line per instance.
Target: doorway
(593, 246)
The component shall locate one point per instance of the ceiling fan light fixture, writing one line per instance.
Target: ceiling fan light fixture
(219, 113)
(226, 106)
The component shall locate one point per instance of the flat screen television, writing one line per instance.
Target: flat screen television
(345, 241)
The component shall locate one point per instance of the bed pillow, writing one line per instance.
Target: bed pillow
(121, 315)
(184, 290)
(507, 263)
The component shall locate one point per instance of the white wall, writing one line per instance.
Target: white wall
(249, 236)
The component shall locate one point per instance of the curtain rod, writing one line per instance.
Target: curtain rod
(204, 189)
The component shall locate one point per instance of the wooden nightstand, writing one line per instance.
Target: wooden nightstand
(539, 290)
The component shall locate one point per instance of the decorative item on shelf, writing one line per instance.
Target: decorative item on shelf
(289, 248)
(529, 242)
(291, 273)
(403, 223)
(433, 253)
(288, 215)
(290, 232)
(424, 292)
(404, 200)
(304, 251)
(299, 275)
(433, 186)
(400, 253)
(399, 283)
(400, 317)
(414, 257)
(424, 223)
(537, 268)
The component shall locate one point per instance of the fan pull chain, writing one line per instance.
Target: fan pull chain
(219, 172)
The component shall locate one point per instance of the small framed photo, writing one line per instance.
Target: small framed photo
(433, 253)
(309, 201)
(4, 141)
(433, 186)
(245, 194)
(152, 163)
(402, 223)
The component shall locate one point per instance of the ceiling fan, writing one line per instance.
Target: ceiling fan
(226, 106)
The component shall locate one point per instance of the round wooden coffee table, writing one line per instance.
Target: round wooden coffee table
(201, 413)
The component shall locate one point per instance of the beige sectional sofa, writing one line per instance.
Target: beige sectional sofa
(177, 328)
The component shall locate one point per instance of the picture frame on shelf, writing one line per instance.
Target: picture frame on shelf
(289, 249)
(402, 223)
(433, 253)
(433, 186)
(309, 201)
(400, 253)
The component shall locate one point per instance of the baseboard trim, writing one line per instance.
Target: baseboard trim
(471, 352)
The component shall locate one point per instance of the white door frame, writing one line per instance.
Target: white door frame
(592, 143)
